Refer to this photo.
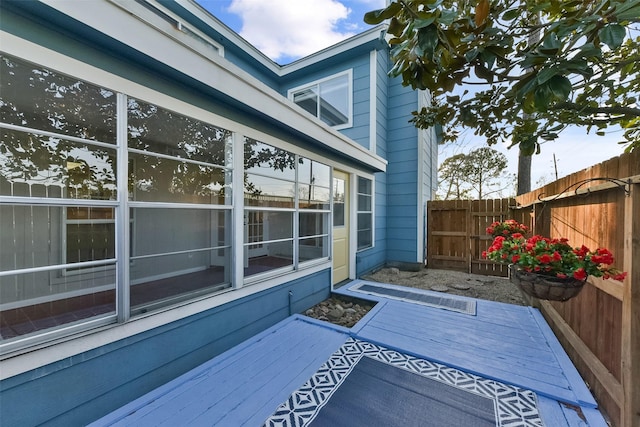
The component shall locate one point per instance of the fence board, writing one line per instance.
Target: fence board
(600, 327)
(457, 237)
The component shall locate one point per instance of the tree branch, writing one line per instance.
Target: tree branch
(624, 111)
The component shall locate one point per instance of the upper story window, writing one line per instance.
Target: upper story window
(329, 99)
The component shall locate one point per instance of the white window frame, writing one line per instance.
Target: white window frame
(316, 84)
(371, 211)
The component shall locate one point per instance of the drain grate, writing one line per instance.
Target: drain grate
(430, 299)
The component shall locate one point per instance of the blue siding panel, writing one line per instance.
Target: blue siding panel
(402, 171)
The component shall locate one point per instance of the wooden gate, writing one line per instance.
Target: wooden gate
(456, 235)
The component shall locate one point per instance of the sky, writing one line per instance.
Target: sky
(286, 30)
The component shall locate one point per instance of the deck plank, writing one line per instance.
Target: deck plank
(504, 342)
(244, 385)
(267, 370)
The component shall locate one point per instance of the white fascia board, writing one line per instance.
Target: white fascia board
(114, 20)
(374, 33)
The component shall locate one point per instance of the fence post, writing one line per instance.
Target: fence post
(631, 311)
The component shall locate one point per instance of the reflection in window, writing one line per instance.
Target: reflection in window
(59, 257)
(158, 179)
(314, 179)
(178, 253)
(265, 191)
(275, 247)
(54, 167)
(90, 234)
(338, 202)
(270, 183)
(38, 293)
(327, 99)
(365, 213)
(176, 158)
(161, 131)
(314, 235)
(37, 98)
(40, 111)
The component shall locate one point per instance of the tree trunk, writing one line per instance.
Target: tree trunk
(524, 174)
(524, 162)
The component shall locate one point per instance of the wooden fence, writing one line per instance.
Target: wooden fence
(597, 207)
(456, 235)
(600, 328)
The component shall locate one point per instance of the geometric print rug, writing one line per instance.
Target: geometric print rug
(510, 405)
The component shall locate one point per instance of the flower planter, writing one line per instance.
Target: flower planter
(545, 287)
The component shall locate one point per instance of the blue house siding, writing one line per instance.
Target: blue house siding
(402, 176)
(375, 257)
(92, 384)
(382, 99)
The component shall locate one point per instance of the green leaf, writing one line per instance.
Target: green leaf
(428, 40)
(483, 73)
(561, 87)
(511, 14)
(545, 74)
(421, 23)
(447, 17)
(377, 16)
(628, 11)
(542, 97)
(589, 50)
(470, 55)
(612, 35)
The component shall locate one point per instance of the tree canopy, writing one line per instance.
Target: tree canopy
(478, 174)
(542, 65)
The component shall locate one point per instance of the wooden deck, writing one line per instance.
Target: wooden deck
(242, 387)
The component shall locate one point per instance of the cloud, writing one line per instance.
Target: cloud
(285, 29)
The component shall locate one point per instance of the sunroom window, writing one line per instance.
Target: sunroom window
(287, 206)
(180, 191)
(58, 160)
(328, 99)
(112, 206)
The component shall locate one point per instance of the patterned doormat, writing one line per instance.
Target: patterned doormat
(363, 384)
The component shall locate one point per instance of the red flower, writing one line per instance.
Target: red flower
(561, 275)
(557, 256)
(515, 258)
(582, 251)
(620, 276)
(544, 258)
(580, 274)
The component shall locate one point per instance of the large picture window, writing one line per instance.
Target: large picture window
(113, 206)
(328, 99)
